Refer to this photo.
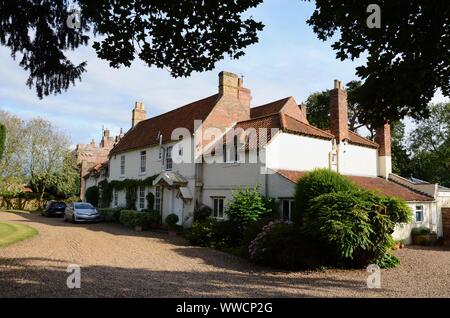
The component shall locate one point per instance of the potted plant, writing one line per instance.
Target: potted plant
(423, 236)
(171, 221)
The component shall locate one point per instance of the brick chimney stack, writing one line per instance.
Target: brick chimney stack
(231, 85)
(383, 138)
(138, 114)
(338, 112)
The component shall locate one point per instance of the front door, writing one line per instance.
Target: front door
(177, 206)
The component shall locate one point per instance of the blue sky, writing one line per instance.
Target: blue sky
(289, 60)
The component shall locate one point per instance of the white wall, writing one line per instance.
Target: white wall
(294, 152)
(403, 231)
(357, 160)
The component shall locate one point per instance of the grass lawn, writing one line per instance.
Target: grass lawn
(12, 232)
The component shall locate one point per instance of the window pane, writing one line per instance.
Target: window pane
(220, 208)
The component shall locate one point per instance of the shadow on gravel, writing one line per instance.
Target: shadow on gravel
(26, 278)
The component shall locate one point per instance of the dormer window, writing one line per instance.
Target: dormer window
(168, 159)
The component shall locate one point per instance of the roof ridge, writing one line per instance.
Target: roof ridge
(275, 101)
(170, 111)
(409, 188)
(309, 125)
(257, 118)
(354, 133)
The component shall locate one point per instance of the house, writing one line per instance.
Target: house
(200, 152)
(90, 155)
(96, 174)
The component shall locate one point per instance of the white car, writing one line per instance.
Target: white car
(81, 212)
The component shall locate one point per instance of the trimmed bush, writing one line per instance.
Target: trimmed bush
(150, 201)
(247, 205)
(92, 195)
(131, 218)
(110, 214)
(315, 183)
(202, 233)
(172, 220)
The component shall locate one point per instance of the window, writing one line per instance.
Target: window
(169, 158)
(158, 198)
(419, 213)
(143, 161)
(230, 152)
(286, 209)
(218, 208)
(116, 198)
(141, 198)
(122, 165)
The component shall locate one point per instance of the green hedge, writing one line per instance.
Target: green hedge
(110, 214)
(132, 218)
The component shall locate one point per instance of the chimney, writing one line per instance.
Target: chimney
(228, 84)
(244, 94)
(383, 138)
(338, 112)
(139, 114)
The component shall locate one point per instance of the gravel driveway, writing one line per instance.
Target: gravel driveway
(117, 262)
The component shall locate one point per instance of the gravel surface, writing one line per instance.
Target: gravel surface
(117, 262)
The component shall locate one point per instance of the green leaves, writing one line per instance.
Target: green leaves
(182, 36)
(407, 58)
(247, 205)
(2, 139)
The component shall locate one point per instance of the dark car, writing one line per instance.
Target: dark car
(55, 209)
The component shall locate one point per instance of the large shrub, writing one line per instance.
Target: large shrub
(110, 214)
(92, 195)
(202, 213)
(247, 205)
(202, 232)
(356, 225)
(315, 183)
(280, 245)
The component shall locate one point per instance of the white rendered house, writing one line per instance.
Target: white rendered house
(199, 153)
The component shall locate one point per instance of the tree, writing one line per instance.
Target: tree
(407, 58)
(430, 146)
(12, 162)
(401, 157)
(182, 36)
(318, 106)
(47, 149)
(2, 139)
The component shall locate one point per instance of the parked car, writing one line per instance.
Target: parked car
(54, 208)
(81, 212)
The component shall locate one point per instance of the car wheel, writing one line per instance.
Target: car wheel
(65, 219)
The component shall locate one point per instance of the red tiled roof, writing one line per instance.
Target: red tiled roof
(146, 132)
(381, 185)
(268, 109)
(280, 121)
(295, 126)
(354, 138)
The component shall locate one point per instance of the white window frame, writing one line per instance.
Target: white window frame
(419, 208)
(122, 165)
(158, 198)
(116, 198)
(168, 162)
(142, 197)
(218, 202)
(143, 157)
(290, 207)
(231, 154)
